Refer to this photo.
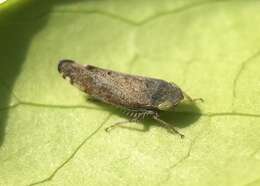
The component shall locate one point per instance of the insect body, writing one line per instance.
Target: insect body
(139, 96)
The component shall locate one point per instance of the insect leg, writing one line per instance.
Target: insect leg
(167, 125)
(119, 123)
(192, 99)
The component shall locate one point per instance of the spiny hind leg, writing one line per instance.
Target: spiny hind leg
(192, 99)
(135, 116)
(167, 125)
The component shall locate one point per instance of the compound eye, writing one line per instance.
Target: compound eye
(63, 63)
(166, 105)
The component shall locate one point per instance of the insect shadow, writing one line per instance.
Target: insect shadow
(185, 114)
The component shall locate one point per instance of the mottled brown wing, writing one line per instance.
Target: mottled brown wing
(122, 89)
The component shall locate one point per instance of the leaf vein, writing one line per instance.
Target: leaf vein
(185, 157)
(49, 178)
(243, 66)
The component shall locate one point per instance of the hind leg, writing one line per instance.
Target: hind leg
(167, 125)
(135, 116)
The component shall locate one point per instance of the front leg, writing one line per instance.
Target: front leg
(188, 97)
(192, 99)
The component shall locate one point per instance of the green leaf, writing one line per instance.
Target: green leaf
(50, 134)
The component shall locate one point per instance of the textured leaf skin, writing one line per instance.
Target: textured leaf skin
(50, 134)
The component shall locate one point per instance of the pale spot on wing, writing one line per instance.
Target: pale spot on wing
(67, 78)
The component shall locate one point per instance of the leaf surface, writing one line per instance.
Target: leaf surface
(50, 134)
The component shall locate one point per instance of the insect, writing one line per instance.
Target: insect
(139, 96)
